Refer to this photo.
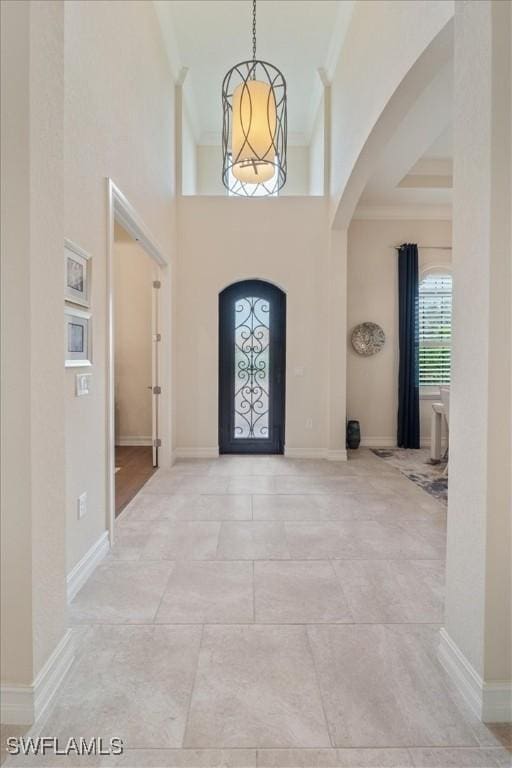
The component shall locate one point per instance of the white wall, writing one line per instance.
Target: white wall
(32, 418)
(133, 277)
(188, 152)
(119, 125)
(209, 171)
(478, 595)
(284, 241)
(372, 382)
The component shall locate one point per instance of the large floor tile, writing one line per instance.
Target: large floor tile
(382, 685)
(170, 540)
(251, 484)
(130, 682)
(121, 592)
(320, 484)
(256, 687)
(454, 758)
(185, 758)
(356, 539)
(252, 540)
(334, 758)
(462, 757)
(210, 592)
(305, 507)
(191, 506)
(393, 590)
(168, 482)
(298, 592)
(129, 541)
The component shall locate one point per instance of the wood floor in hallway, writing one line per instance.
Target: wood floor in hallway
(263, 611)
(134, 467)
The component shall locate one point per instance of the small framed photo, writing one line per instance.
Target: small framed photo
(77, 337)
(77, 274)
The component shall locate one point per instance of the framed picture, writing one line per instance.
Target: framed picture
(77, 337)
(77, 274)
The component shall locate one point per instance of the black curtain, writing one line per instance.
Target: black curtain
(408, 433)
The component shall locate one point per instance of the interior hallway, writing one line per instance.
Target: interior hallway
(272, 612)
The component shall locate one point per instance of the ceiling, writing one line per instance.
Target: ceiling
(416, 166)
(210, 36)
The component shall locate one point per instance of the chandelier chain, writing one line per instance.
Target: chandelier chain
(254, 30)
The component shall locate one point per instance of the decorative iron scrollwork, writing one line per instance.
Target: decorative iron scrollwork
(252, 339)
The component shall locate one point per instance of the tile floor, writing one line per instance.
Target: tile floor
(262, 611)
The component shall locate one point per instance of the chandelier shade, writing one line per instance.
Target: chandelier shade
(253, 131)
(254, 127)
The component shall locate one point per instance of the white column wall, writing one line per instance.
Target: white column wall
(478, 590)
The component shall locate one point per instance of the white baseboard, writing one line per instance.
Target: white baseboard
(196, 453)
(304, 453)
(378, 442)
(134, 440)
(336, 455)
(390, 442)
(24, 704)
(491, 702)
(77, 577)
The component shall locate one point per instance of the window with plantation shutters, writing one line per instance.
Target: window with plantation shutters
(435, 318)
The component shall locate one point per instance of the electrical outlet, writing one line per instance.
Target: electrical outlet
(82, 505)
(309, 423)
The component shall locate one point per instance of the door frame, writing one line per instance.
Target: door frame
(121, 210)
(277, 358)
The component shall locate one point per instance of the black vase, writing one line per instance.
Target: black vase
(353, 434)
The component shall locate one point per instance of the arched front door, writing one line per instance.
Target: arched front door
(252, 339)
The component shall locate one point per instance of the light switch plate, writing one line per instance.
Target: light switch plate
(83, 384)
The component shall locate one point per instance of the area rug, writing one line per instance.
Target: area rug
(415, 464)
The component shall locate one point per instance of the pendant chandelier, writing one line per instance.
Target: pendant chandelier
(254, 126)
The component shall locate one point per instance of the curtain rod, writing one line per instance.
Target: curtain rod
(427, 247)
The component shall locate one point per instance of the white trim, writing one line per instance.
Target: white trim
(24, 704)
(134, 440)
(404, 212)
(378, 442)
(491, 702)
(336, 455)
(196, 453)
(119, 209)
(390, 442)
(305, 453)
(77, 577)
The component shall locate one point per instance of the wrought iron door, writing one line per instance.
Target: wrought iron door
(252, 338)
